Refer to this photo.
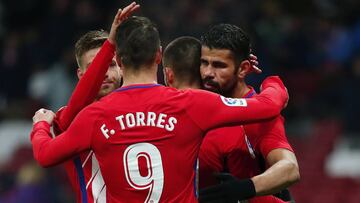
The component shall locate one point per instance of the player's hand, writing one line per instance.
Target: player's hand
(254, 64)
(231, 189)
(121, 15)
(43, 115)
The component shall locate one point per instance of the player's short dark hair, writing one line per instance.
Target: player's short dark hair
(182, 55)
(228, 36)
(90, 40)
(137, 40)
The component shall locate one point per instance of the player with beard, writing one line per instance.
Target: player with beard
(146, 137)
(254, 159)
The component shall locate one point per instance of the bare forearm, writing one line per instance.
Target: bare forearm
(279, 176)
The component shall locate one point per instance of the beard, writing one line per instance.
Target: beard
(224, 90)
(210, 85)
(229, 87)
(107, 89)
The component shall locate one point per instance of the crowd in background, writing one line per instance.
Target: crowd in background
(314, 45)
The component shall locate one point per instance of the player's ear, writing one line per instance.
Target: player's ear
(80, 72)
(158, 56)
(169, 76)
(244, 69)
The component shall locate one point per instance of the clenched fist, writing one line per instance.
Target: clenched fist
(43, 115)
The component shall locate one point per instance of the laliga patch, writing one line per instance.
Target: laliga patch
(233, 101)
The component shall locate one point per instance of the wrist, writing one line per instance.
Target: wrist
(111, 41)
(110, 45)
(41, 125)
(246, 188)
(38, 126)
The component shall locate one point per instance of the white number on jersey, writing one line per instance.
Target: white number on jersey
(154, 181)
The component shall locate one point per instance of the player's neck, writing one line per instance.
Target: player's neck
(186, 85)
(142, 76)
(240, 90)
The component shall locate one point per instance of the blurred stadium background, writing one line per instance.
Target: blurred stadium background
(313, 44)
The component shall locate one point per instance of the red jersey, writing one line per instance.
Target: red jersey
(241, 151)
(147, 137)
(83, 170)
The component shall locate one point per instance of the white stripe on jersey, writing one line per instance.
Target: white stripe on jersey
(87, 158)
(97, 182)
(93, 174)
(102, 196)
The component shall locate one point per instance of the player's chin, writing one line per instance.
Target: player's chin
(107, 89)
(210, 88)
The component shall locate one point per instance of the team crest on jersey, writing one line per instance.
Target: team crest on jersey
(250, 148)
(233, 101)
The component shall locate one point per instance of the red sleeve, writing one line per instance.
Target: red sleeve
(88, 86)
(210, 110)
(77, 138)
(275, 137)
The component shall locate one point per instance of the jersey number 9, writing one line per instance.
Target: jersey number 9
(154, 180)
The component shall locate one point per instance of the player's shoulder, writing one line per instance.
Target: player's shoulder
(197, 91)
(198, 94)
(172, 90)
(169, 92)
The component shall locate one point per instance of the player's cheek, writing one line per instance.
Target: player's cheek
(114, 75)
(117, 79)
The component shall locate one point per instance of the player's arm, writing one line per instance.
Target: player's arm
(77, 138)
(88, 86)
(279, 157)
(223, 111)
(283, 172)
(90, 83)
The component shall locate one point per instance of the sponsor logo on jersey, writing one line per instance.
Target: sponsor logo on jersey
(233, 101)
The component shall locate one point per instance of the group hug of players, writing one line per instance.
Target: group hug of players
(125, 138)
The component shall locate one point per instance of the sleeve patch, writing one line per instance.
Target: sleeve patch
(233, 101)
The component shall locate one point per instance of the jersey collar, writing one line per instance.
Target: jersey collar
(250, 93)
(136, 86)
